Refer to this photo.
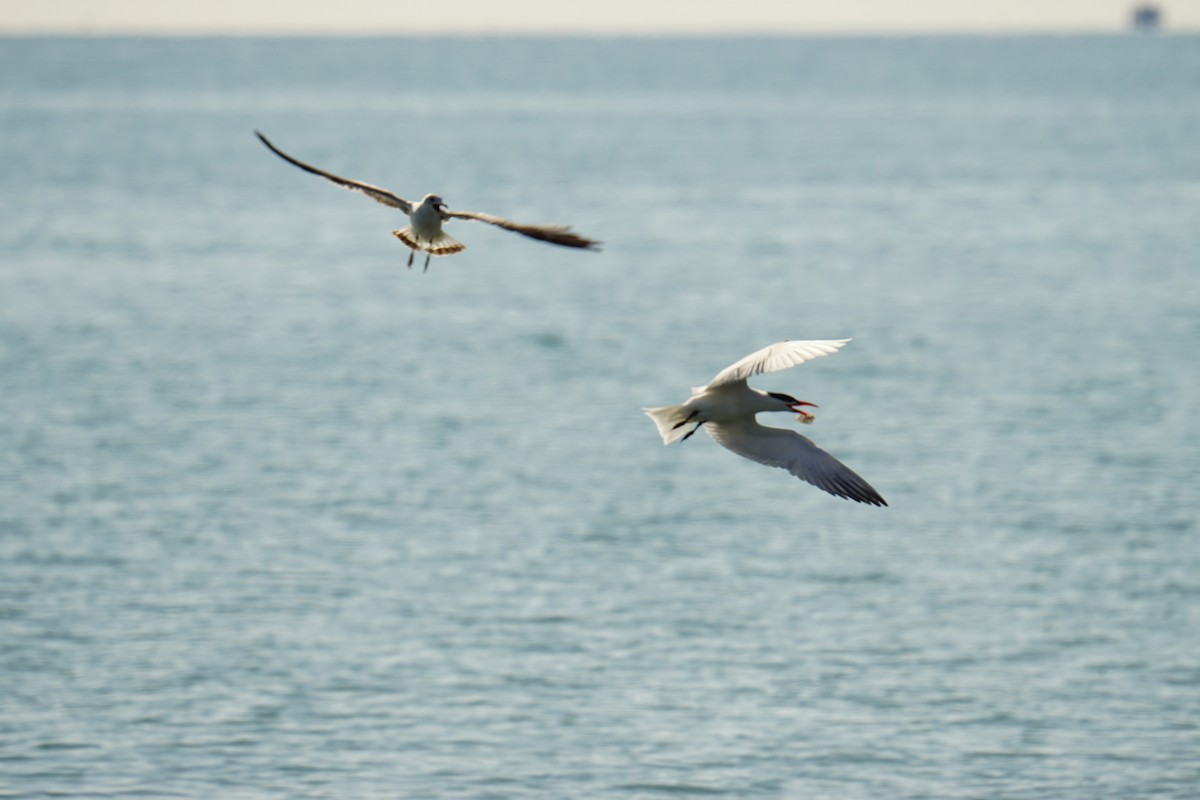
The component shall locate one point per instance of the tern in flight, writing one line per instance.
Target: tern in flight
(424, 231)
(726, 408)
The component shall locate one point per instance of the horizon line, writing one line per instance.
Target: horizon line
(166, 32)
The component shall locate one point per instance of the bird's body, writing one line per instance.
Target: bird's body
(729, 402)
(424, 232)
(726, 409)
(425, 218)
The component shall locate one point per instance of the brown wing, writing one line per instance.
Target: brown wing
(554, 234)
(373, 192)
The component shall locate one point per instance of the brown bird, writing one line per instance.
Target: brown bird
(424, 231)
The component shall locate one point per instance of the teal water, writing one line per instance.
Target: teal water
(280, 518)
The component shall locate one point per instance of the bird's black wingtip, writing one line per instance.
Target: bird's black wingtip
(871, 498)
(860, 494)
(875, 500)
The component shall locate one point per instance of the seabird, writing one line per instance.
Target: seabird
(726, 409)
(424, 231)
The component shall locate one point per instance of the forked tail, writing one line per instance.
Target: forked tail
(671, 421)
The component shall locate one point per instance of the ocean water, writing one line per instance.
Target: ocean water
(280, 518)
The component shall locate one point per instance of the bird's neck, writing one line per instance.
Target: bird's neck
(764, 402)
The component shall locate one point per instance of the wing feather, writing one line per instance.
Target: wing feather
(554, 234)
(775, 357)
(788, 450)
(373, 192)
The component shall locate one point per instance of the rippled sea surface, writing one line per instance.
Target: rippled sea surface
(280, 518)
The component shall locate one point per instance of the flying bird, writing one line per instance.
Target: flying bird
(426, 217)
(726, 409)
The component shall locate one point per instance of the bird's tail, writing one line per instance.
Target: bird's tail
(671, 422)
(441, 245)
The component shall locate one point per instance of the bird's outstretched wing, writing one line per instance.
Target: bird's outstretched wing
(373, 192)
(775, 357)
(788, 450)
(554, 234)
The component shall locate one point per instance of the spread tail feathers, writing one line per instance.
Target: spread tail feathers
(441, 245)
(672, 422)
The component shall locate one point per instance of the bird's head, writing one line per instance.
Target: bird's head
(436, 201)
(795, 406)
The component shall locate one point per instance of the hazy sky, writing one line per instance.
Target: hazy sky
(602, 16)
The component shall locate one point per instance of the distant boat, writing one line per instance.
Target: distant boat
(1146, 17)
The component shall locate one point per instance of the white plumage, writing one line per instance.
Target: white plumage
(726, 409)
